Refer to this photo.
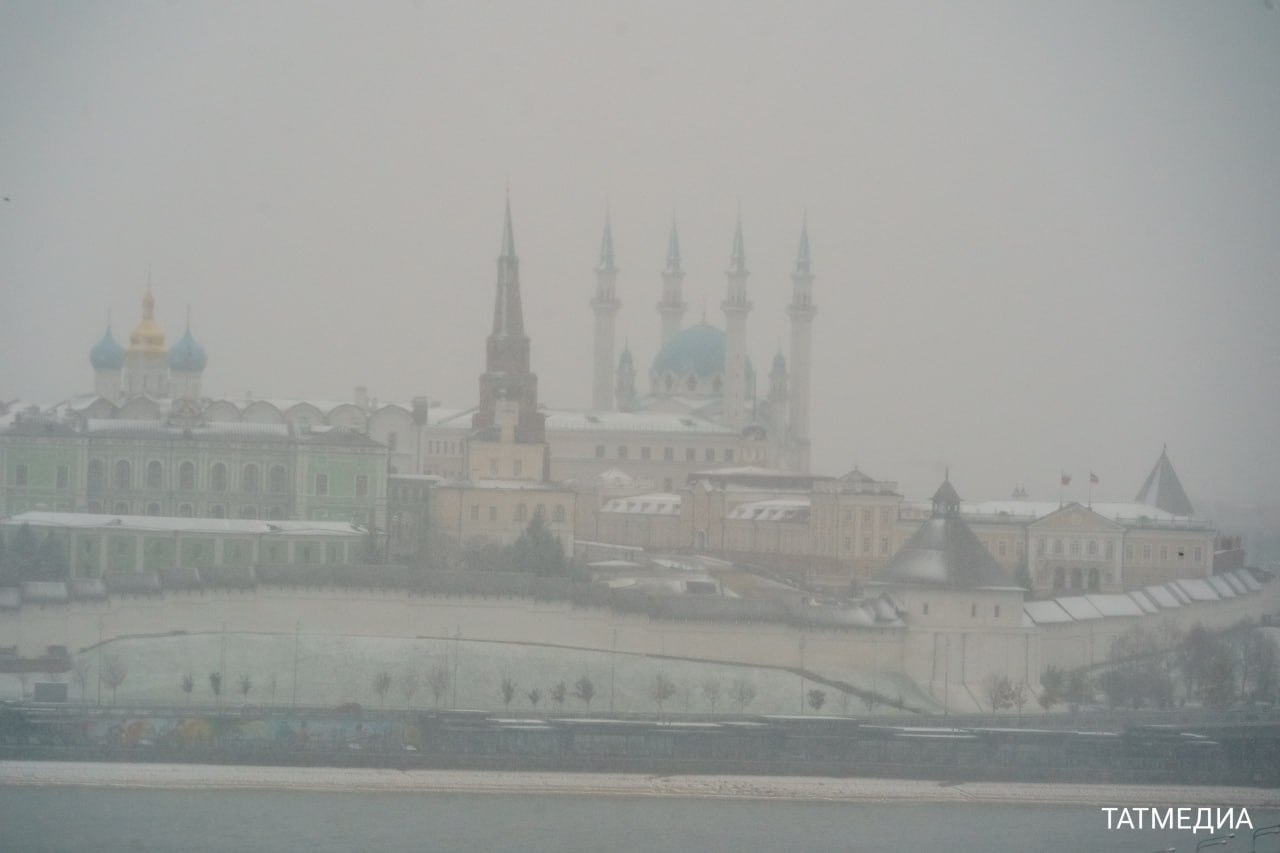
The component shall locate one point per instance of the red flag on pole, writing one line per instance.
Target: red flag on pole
(1066, 479)
(1093, 478)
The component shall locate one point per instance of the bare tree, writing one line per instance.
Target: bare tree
(215, 684)
(381, 685)
(508, 692)
(408, 687)
(244, 684)
(438, 682)
(743, 692)
(711, 692)
(273, 684)
(1020, 695)
(584, 691)
(535, 696)
(661, 690)
(188, 684)
(998, 691)
(558, 694)
(114, 672)
(817, 698)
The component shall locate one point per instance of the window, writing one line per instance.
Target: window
(1092, 548)
(362, 485)
(249, 512)
(622, 451)
(252, 482)
(644, 453)
(218, 477)
(97, 473)
(64, 476)
(866, 515)
(392, 441)
(277, 483)
(666, 484)
(124, 475)
(1059, 578)
(517, 467)
(711, 454)
(20, 475)
(1039, 547)
(884, 515)
(493, 465)
(187, 476)
(884, 546)
(1075, 547)
(1146, 553)
(493, 513)
(322, 484)
(1057, 546)
(866, 544)
(558, 515)
(599, 451)
(973, 611)
(186, 510)
(1000, 547)
(690, 454)
(1164, 553)
(153, 508)
(668, 454)
(1199, 554)
(475, 512)
(120, 508)
(276, 514)
(155, 474)
(728, 454)
(218, 511)
(1111, 550)
(522, 512)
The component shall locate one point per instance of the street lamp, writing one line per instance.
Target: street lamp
(1216, 841)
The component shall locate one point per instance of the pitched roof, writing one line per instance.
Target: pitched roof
(944, 552)
(1163, 490)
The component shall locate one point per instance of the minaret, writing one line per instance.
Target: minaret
(736, 307)
(778, 411)
(626, 381)
(801, 311)
(605, 305)
(672, 306)
(507, 383)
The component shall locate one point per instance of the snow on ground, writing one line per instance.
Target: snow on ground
(332, 670)
(603, 784)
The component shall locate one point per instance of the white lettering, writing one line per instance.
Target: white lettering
(1184, 818)
(1225, 817)
(1125, 819)
(1162, 823)
(1109, 811)
(1204, 820)
(1245, 820)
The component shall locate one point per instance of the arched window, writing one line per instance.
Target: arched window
(187, 476)
(1091, 548)
(120, 508)
(97, 474)
(186, 510)
(1077, 579)
(218, 477)
(124, 475)
(155, 474)
(252, 478)
(218, 511)
(1095, 580)
(277, 483)
(153, 508)
(249, 512)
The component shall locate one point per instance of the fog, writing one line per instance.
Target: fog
(1045, 235)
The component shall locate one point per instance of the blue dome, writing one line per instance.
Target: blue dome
(106, 353)
(187, 355)
(697, 350)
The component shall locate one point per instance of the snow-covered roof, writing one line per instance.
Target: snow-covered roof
(773, 509)
(169, 524)
(1142, 600)
(1079, 607)
(1197, 589)
(1177, 592)
(1162, 596)
(506, 485)
(656, 503)
(1045, 612)
(1114, 604)
(1246, 577)
(1221, 587)
(215, 428)
(561, 420)
(1127, 513)
(1236, 584)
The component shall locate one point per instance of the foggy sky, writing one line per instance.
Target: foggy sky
(1046, 237)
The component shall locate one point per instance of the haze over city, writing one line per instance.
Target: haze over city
(1044, 236)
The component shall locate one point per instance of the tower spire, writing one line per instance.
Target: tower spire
(605, 306)
(738, 258)
(673, 249)
(508, 236)
(606, 245)
(803, 262)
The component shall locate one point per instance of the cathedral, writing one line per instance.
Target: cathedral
(702, 371)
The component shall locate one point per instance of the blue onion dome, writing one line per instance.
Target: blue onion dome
(697, 350)
(107, 354)
(187, 355)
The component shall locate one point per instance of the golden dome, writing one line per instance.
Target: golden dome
(147, 336)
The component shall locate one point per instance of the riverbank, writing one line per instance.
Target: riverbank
(802, 788)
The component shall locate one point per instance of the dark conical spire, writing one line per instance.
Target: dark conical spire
(673, 248)
(738, 258)
(606, 247)
(1163, 490)
(507, 315)
(508, 236)
(803, 262)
